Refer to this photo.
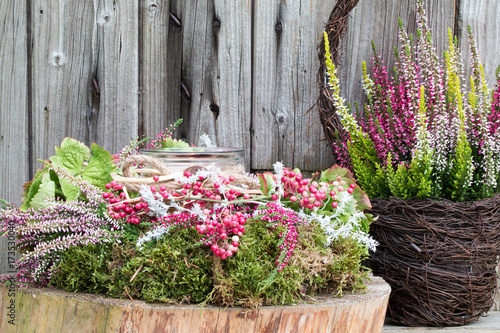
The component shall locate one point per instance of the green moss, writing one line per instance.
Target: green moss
(179, 268)
(84, 269)
(176, 268)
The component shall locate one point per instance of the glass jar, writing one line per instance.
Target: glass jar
(180, 159)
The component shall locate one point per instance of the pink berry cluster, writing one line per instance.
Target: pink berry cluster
(309, 194)
(202, 191)
(221, 229)
(120, 207)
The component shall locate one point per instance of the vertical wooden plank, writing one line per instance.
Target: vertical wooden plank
(216, 71)
(14, 119)
(284, 84)
(377, 21)
(117, 72)
(13, 100)
(62, 66)
(484, 19)
(160, 54)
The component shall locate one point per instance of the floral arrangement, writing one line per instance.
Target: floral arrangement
(423, 134)
(211, 240)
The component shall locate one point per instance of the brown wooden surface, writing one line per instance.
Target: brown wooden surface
(48, 310)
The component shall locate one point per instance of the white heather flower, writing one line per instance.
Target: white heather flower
(151, 235)
(278, 170)
(205, 139)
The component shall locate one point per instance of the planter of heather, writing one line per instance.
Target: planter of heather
(426, 151)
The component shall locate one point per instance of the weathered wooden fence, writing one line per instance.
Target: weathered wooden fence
(242, 71)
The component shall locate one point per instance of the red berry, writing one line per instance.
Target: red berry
(353, 186)
(231, 178)
(350, 190)
(274, 197)
(334, 204)
(156, 178)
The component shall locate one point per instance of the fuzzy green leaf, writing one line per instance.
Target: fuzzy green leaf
(31, 188)
(100, 166)
(47, 190)
(71, 155)
(70, 191)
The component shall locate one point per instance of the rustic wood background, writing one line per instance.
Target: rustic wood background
(242, 71)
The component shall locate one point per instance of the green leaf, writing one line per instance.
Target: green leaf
(70, 191)
(362, 200)
(31, 188)
(71, 155)
(47, 190)
(331, 174)
(266, 180)
(173, 143)
(100, 166)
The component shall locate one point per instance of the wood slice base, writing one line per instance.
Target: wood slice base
(50, 310)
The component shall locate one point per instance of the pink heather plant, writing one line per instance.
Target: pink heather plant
(422, 133)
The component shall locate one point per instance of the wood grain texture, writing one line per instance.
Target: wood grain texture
(216, 71)
(49, 310)
(14, 112)
(13, 101)
(117, 52)
(160, 58)
(62, 67)
(484, 20)
(377, 21)
(284, 87)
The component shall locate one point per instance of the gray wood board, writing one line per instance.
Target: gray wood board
(285, 65)
(484, 20)
(117, 51)
(14, 115)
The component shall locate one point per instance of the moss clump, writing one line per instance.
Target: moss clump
(251, 278)
(84, 269)
(178, 268)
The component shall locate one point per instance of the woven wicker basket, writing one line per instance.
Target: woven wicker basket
(439, 258)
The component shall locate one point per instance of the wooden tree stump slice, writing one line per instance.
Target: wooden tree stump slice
(50, 310)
